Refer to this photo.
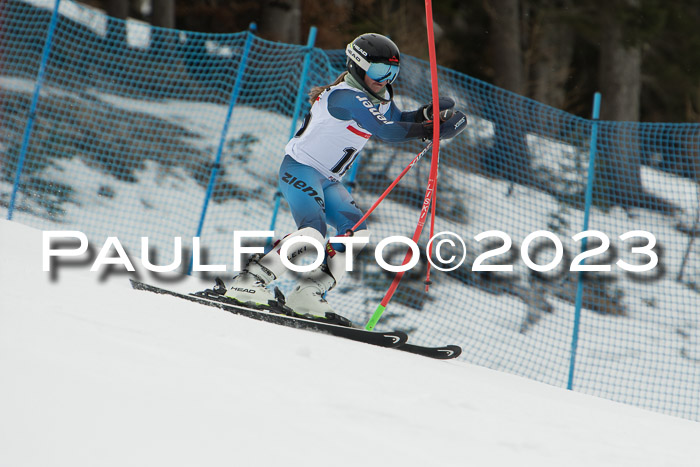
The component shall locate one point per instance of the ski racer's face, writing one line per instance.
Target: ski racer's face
(375, 86)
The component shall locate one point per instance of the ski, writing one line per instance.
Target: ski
(382, 339)
(445, 352)
(394, 339)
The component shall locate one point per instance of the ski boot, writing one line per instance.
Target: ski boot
(307, 298)
(249, 287)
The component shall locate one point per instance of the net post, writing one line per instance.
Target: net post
(224, 131)
(32, 108)
(295, 115)
(584, 243)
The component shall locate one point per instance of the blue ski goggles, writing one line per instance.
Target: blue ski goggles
(383, 72)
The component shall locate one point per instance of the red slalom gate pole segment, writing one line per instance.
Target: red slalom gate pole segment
(432, 230)
(399, 275)
(432, 179)
(391, 187)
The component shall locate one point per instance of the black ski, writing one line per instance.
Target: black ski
(382, 339)
(394, 339)
(441, 353)
(446, 352)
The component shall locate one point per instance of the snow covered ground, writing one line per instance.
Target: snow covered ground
(649, 355)
(94, 373)
(648, 358)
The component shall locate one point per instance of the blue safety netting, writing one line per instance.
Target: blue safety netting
(140, 131)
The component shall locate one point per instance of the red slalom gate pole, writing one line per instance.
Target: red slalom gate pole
(432, 179)
(432, 230)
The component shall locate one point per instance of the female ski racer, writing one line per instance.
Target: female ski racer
(343, 116)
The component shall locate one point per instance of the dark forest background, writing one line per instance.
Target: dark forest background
(642, 55)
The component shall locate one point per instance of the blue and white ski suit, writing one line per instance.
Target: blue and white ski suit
(341, 121)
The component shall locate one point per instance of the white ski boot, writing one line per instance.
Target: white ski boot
(249, 287)
(307, 296)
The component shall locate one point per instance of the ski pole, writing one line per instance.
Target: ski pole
(391, 187)
(429, 192)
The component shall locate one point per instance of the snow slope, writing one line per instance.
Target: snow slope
(94, 373)
(649, 358)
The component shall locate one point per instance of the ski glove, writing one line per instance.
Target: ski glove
(449, 128)
(425, 112)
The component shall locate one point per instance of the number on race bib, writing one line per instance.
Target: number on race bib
(343, 165)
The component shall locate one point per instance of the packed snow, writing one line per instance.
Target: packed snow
(95, 373)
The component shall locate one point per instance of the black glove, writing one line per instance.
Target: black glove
(449, 128)
(425, 112)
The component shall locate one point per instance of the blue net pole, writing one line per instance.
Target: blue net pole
(295, 116)
(302, 82)
(32, 109)
(584, 241)
(224, 130)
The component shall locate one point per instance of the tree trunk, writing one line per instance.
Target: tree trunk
(281, 21)
(553, 53)
(163, 14)
(506, 47)
(619, 76)
(100, 59)
(509, 157)
(117, 9)
(620, 73)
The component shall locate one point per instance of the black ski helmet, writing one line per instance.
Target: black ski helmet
(375, 55)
